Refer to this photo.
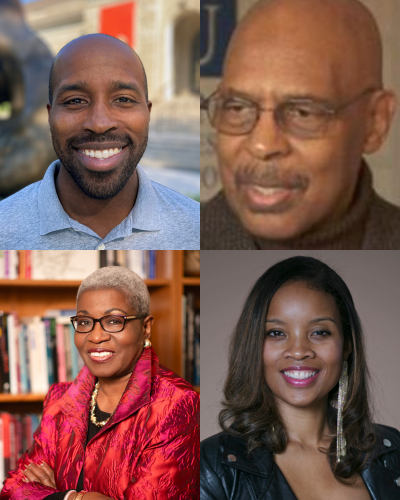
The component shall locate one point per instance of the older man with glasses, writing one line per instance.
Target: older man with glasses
(300, 102)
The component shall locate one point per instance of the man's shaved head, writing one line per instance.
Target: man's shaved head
(80, 42)
(341, 31)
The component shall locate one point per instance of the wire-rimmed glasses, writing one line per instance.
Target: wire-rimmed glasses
(301, 117)
(112, 323)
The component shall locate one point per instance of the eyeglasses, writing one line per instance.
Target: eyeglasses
(303, 118)
(111, 324)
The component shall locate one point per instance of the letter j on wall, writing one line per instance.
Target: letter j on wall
(217, 21)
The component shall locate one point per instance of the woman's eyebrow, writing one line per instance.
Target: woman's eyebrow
(315, 320)
(82, 311)
(115, 309)
(325, 318)
(105, 312)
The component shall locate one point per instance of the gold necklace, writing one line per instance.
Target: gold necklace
(93, 400)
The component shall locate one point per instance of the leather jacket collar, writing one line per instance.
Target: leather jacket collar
(227, 471)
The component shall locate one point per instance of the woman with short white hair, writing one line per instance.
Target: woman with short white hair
(126, 427)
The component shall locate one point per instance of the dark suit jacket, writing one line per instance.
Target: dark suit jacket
(227, 472)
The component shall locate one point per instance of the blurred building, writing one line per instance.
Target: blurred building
(166, 35)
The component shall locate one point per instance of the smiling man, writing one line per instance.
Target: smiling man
(96, 196)
(300, 102)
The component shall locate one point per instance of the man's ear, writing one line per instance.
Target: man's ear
(48, 111)
(379, 118)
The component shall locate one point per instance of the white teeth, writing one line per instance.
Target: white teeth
(103, 354)
(268, 191)
(95, 153)
(300, 375)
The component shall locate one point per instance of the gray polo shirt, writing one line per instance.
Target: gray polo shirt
(161, 219)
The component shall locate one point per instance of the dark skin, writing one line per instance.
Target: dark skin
(113, 375)
(101, 114)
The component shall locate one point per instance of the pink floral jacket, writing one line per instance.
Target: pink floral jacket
(149, 449)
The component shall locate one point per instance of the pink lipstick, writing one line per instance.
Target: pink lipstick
(300, 376)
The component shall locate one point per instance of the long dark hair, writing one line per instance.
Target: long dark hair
(250, 410)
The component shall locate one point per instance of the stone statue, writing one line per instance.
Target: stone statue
(25, 144)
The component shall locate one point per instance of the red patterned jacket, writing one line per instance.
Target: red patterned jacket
(149, 449)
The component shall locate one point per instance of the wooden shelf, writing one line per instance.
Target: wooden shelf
(68, 283)
(191, 280)
(21, 398)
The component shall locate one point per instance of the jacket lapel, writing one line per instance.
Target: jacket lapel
(380, 479)
(260, 462)
(76, 401)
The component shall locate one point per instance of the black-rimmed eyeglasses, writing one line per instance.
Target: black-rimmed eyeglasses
(300, 117)
(112, 323)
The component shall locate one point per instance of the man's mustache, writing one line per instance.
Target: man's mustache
(270, 175)
(75, 141)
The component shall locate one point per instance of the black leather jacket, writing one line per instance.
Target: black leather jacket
(227, 472)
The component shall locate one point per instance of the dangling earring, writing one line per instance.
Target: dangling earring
(147, 344)
(341, 440)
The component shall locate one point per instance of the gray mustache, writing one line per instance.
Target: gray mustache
(270, 176)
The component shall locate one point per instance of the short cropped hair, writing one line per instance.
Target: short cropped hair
(123, 280)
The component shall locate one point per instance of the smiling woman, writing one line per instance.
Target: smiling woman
(296, 420)
(126, 427)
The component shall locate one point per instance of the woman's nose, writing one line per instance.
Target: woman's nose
(98, 334)
(299, 348)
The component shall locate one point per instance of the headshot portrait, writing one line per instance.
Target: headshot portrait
(96, 195)
(300, 105)
(300, 376)
(125, 427)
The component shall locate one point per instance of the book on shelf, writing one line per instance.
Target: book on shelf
(39, 352)
(72, 264)
(191, 338)
(4, 358)
(16, 436)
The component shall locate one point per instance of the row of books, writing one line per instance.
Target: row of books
(72, 264)
(191, 338)
(16, 436)
(36, 352)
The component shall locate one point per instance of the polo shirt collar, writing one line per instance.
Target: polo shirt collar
(144, 216)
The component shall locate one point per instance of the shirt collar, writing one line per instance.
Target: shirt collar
(144, 216)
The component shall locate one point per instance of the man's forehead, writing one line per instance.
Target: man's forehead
(274, 70)
(90, 55)
(309, 32)
(97, 65)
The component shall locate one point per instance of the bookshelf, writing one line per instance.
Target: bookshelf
(34, 297)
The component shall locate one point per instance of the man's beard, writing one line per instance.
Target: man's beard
(99, 185)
